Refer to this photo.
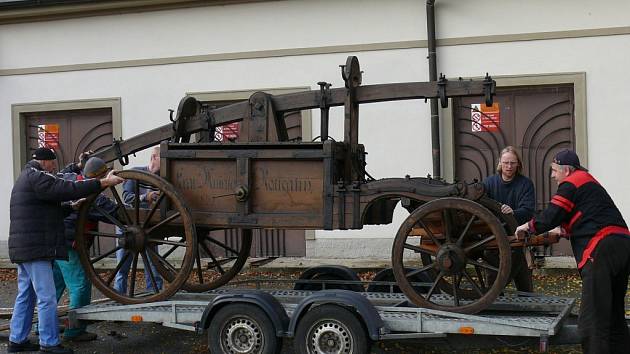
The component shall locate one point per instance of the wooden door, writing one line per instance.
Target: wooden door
(538, 120)
(69, 133)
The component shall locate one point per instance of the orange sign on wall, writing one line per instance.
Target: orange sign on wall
(485, 119)
(48, 136)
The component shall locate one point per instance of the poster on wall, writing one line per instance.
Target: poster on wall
(485, 119)
(48, 136)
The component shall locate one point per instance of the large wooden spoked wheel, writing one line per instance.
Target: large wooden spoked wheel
(142, 231)
(453, 233)
(490, 256)
(217, 261)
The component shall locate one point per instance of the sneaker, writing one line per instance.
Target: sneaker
(83, 337)
(22, 347)
(57, 349)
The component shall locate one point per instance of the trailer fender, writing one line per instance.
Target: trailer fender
(346, 298)
(269, 304)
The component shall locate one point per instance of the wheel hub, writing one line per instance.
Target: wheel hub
(134, 238)
(330, 337)
(242, 336)
(450, 259)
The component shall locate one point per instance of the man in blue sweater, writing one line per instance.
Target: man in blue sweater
(516, 194)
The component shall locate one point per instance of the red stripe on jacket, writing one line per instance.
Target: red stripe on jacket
(532, 226)
(558, 201)
(573, 220)
(580, 178)
(564, 201)
(592, 243)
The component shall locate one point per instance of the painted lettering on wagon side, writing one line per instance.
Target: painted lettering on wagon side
(286, 184)
(203, 178)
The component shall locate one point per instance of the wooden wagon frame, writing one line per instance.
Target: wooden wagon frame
(266, 181)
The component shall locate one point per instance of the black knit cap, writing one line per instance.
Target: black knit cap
(94, 167)
(44, 154)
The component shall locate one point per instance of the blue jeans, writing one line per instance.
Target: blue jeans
(35, 282)
(120, 281)
(78, 284)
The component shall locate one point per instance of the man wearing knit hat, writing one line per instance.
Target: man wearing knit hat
(36, 239)
(70, 274)
(601, 245)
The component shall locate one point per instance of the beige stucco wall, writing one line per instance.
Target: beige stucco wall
(150, 60)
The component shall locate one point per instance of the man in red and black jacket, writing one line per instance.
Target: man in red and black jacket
(601, 245)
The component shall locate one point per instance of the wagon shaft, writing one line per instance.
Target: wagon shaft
(428, 244)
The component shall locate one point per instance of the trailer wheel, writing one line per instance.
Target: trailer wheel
(242, 329)
(331, 329)
(329, 272)
(387, 274)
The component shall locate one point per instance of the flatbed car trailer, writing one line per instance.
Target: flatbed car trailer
(256, 320)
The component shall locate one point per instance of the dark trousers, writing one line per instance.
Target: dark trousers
(602, 324)
(520, 272)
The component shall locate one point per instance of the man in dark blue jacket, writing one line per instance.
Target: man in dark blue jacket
(509, 187)
(516, 194)
(36, 239)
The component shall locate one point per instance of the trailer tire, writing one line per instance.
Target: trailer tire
(387, 274)
(335, 328)
(242, 328)
(329, 272)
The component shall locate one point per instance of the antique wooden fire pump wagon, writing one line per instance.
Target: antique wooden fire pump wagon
(266, 181)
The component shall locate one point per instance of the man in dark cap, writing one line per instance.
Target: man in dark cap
(70, 274)
(601, 245)
(36, 239)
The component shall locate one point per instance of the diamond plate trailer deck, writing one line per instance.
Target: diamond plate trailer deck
(388, 316)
